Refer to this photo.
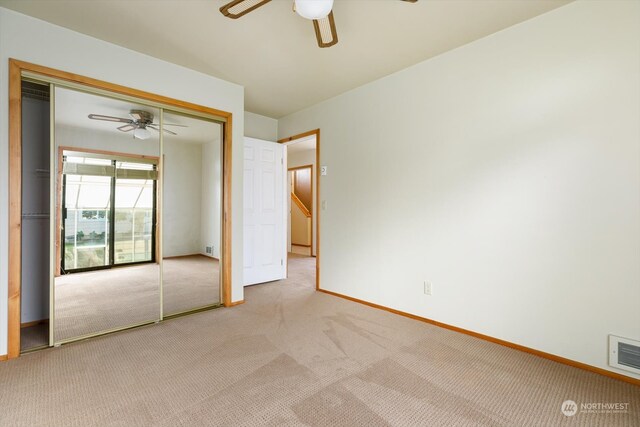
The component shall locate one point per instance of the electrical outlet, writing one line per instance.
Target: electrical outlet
(427, 288)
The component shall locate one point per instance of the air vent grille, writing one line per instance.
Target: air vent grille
(629, 355)
(624, 353)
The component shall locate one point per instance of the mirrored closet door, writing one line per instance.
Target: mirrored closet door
(122, 212)
(107, 275)
(191, 214)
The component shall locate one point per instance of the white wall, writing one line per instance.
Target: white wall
(303, 158)
(32, 40)
(211, 198)
(260, 127)
(182, 195)
(507, 173)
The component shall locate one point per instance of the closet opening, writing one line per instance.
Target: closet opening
(36, 182)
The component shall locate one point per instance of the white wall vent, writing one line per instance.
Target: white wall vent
(624, 353)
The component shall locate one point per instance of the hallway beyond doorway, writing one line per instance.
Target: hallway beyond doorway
(301, 250)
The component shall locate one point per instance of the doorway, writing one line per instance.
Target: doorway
(35, 216)
(303, 163)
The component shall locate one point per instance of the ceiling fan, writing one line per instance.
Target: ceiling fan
(319, 11)
(140, 123)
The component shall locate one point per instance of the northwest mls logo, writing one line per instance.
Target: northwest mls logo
(569, 408)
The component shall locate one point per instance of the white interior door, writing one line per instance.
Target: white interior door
(265, 213)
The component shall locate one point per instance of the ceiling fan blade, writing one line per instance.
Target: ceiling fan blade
(326, 31)
(169, 124)
(238, 8)
(410, 1)
(158, 130)
(109, 118)
(127, 128)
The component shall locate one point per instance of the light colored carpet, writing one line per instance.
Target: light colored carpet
(190, 282)
(291, 356)
(101, 300)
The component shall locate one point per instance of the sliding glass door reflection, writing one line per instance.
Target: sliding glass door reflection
(86, 222)
(90, 201)
(135, 213)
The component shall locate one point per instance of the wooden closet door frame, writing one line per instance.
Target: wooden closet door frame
(16, 69)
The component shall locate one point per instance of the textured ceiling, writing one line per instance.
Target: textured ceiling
(272, 51)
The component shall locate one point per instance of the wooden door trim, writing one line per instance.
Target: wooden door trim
(15, 208)
(110, 153)
(301, 167)
(315, 132)
(16, 68)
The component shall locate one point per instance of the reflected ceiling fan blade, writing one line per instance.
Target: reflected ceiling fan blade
(109, 118)
(326, 31)
(169, 124)
(238, 8)
(127, 128)
(158, 130)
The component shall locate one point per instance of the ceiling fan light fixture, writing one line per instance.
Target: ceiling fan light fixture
(313, 9)
(141, 133)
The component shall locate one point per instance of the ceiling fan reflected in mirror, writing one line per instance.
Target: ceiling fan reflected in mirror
(140, 123)
(318, 11)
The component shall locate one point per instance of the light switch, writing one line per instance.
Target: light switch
(323, 170)
(324, 205)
